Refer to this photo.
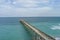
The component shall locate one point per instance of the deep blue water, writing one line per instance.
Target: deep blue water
(11, 29)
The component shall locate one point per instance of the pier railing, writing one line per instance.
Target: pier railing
(38, 34)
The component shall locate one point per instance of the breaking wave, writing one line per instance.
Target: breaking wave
(58, 38)
(56, 27)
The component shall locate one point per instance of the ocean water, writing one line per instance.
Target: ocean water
(12, 29)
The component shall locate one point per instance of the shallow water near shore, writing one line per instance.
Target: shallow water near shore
(12, 29)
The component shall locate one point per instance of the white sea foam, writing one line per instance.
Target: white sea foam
(58, 38)
(56, 27)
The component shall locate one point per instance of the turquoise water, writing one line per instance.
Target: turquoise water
(13, 32)
(11, 29)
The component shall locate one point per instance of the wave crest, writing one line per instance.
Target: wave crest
(56, 27)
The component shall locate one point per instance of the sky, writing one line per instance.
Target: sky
(29, 8)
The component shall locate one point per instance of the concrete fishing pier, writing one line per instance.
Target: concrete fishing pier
(38, 34)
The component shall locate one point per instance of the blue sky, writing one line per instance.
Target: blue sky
(29, 8)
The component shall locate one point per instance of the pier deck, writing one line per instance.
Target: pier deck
(39, 35)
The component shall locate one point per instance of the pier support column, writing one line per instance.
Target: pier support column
(34, 36)
(41, 38)
(37, 37)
